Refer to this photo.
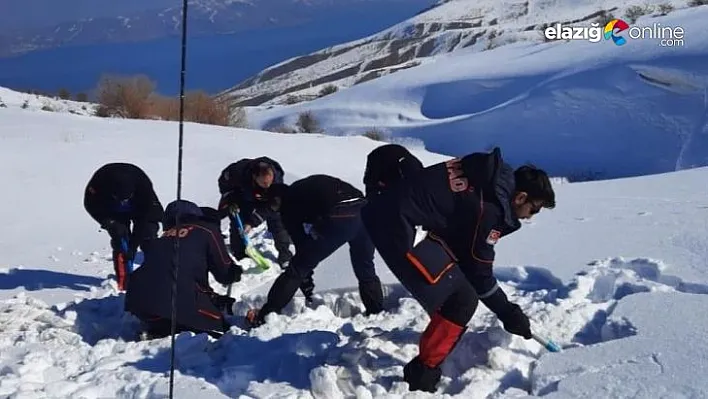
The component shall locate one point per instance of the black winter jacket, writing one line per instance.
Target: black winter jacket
(201, 251)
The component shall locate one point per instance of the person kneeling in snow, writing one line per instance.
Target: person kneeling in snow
(322, 213)
(117, 194)
(386, 166)
(466, 204)
(201, 250)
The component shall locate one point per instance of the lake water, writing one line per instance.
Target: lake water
(214, 62)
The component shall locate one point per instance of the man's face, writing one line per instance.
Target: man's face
(265, 180)
(524, 207)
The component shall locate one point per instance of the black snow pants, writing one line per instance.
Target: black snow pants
(429, 271)
(341, 226)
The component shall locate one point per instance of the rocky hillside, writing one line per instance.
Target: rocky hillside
(453, 25)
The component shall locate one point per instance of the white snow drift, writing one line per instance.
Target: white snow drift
(616, 275)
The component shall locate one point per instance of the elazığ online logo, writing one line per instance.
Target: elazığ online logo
(668, 36)
(609, 32)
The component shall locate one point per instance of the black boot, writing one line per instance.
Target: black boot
(284, 257)
(421, 377)
(255, 318)
(371, 294)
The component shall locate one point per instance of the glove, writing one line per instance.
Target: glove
(130, 254)
(142, 233)
(228, 203)
(516, 322)
(237, 273)
(310, 231)
(232, 209)
(223, 303)
(116, 230)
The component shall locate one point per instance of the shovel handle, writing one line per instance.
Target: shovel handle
(547, 343)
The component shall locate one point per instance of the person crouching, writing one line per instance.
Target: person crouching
(201, 251)
(321, 214)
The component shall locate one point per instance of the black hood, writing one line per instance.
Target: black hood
(278, 173)
(188, 211)
(211, 215)
(388, 164)
(501, 178)
(504, 190)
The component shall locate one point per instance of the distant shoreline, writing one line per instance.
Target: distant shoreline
(214, 62)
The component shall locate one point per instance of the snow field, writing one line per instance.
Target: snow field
(84, 348)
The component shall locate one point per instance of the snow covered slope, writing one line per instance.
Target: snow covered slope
(35, 102)
(580, 109)
(616, 274)
(452, 26)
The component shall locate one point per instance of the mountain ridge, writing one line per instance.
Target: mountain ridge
(446, 27)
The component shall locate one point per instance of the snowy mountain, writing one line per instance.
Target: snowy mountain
(82, 22)
(615, 274)
(451, 26)
(549, 102)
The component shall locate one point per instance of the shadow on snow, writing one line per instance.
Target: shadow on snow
(38, 279)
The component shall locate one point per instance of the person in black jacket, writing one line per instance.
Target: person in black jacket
(245, 188)
(466, 205)
(388, 164)
(201, 251)
(322, 213)
(116, 195)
